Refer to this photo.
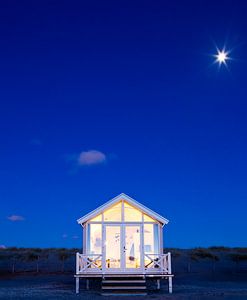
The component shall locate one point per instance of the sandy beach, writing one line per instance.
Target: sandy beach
(200, 273)
(56, 286)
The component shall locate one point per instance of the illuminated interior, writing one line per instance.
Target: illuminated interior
(112, 246)
(113, 214)
(132, 247)
(146, 218)
(97, 218)
(123, 241)
(95, 241)
(131, 214)
(151, 245)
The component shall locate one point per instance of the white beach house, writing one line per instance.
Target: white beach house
(123, 238)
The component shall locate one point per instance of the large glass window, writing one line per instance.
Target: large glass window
(97, 218)
(151, 245)
(112, 246)
(151, 238)
(94, 242)
(124, 243)
(131, 214)
(146, 218)
(113, 214)
(132, 247)
(95, 238)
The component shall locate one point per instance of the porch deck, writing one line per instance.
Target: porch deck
(156, 266)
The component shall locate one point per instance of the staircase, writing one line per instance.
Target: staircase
(124, 286)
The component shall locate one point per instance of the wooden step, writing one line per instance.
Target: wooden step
(123, 281)
(123, 294)
(117, 286)
(123, 287)
(127, 277)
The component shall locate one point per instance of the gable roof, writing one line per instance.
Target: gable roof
(129, 200)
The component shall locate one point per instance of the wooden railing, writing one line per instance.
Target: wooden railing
(88, 262)
(158, 262)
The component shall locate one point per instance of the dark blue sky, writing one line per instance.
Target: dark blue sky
(134, 81)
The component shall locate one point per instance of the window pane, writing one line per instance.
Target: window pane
(151, 238)
(151, 245)
(113, 214)
(131, 214)
(95, 238)
(132, 247)
(112, 246)
(94, 242)
(97, 218)
(148, 219)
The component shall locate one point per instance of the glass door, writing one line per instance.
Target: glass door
(122, 247)
(112, 247)
(132, 247)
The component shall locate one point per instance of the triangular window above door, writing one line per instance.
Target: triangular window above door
(114, 213)
(131, 214)
(146, 218)
(97, 218)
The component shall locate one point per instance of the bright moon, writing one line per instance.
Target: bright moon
(221, 57)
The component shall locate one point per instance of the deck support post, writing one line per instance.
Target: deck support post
(170, 284)
(87, 284)
(169, 272)
(158, 284)
(77, 285)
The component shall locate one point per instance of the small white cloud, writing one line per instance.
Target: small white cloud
(75, 237)
(15, 218)
(64, 236)
(85, 159)
(3, 247)
(91, 157)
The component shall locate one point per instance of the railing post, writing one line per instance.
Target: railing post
(169, 263)
(77, 262)
(169, 272)
(164, 263)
